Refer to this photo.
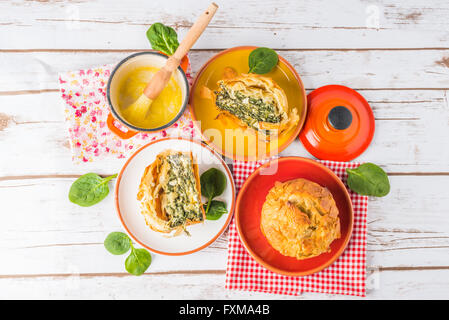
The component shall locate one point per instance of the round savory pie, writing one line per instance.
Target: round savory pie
(300, 218)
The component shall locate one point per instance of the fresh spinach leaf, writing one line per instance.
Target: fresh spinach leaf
(163, 38)
(262, 60)
(89, 189)
(369, 180)
(117, 243)
(138, 261)
(213, 183)
(216, 209)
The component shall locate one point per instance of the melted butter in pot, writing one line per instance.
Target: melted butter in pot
(163, 109)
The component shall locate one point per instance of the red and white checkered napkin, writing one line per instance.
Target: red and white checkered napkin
(345, 276)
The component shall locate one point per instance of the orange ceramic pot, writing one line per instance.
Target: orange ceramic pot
(340, 124)
(147, 58)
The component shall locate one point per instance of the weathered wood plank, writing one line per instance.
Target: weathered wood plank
(370, 69)
(421, 284)
(283, 24)
(411, 127)
(49, 241)
(47, 234)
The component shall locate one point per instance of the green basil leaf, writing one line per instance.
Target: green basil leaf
(163, 38)
(138, 261)
(89, 189)
(262, 60)
(117, 243)
(216, 210)
(213, 183)
(368, 180)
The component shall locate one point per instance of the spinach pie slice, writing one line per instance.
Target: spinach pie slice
(170, 192)
(256, 102)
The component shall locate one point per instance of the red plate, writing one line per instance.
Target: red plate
(339, 125)
(249, 205)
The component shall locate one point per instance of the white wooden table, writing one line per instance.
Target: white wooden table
(395, 54)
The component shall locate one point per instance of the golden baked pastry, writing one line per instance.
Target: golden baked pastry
(170, 192)
(300, 218)
(256, 102)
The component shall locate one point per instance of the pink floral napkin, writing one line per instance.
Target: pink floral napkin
(86, 110)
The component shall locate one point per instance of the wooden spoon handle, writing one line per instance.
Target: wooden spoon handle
(161, 78)
(195, 32)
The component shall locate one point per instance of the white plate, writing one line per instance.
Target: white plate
(126, 188)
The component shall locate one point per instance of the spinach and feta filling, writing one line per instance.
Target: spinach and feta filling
(250, 110)
(181, 195)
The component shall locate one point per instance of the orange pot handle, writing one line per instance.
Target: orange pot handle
(119, 133)
(184, 62)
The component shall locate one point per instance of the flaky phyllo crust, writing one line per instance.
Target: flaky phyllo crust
(300, 219)
(255, 102)
(162, 189)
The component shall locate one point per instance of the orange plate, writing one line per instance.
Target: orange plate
(321, 139)
(240, 145)
(133, 229)
(249, 205)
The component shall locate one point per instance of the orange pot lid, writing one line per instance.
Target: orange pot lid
(339, 125)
